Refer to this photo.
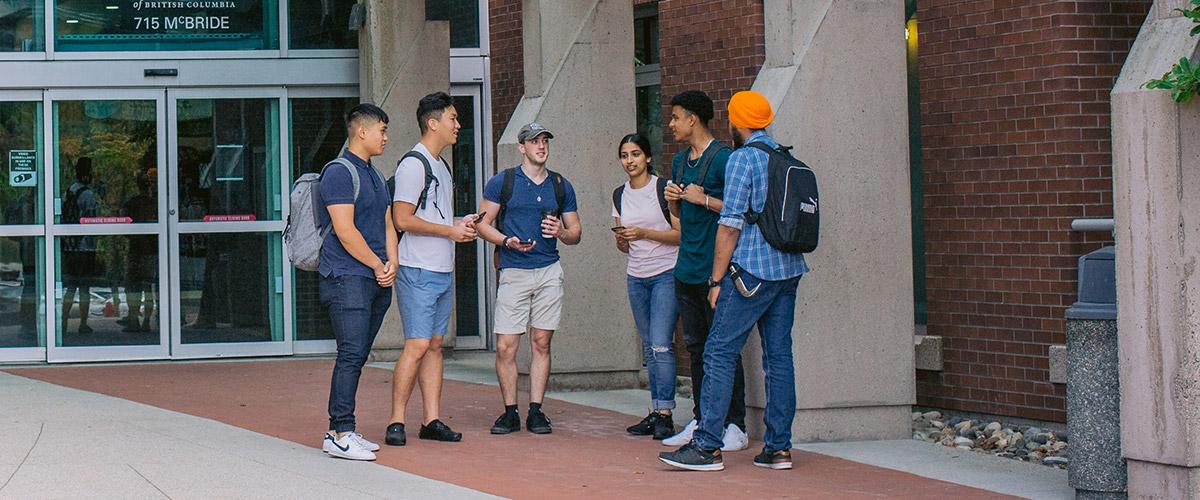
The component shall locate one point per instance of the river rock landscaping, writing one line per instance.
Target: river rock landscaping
(1030, 444)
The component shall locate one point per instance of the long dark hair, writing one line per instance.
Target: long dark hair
(642, 144)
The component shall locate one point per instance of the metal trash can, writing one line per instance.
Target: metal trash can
(1097, 468)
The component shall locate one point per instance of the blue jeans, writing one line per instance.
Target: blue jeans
(356, 308)
(772, 308)
(654, 312)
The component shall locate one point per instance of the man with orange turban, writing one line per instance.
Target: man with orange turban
(752, 284)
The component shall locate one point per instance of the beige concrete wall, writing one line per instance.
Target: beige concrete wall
(579, 83)
(836, 75)
(402, 57)
(1156, 177)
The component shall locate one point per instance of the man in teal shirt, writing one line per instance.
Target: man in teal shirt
(697, 203)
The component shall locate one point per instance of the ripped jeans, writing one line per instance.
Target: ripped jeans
(654, 312)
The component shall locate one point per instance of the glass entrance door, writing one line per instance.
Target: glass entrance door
(164, 225)
(226, 221)
(105, 222)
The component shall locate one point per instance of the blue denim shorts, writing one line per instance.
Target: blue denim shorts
(425, 299)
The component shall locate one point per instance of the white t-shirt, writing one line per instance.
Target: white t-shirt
(640, 208)
(432, 253)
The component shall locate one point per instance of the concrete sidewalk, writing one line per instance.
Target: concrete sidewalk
(968, 468)
(68, 443)
(205, 431)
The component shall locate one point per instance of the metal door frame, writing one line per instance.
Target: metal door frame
(64, 354)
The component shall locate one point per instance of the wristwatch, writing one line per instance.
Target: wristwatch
(711, 283)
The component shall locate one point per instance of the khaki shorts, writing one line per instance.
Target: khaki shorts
(529, 298)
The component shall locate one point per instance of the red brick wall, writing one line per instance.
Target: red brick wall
(507, 61)
(1015, 144)
(716, 46)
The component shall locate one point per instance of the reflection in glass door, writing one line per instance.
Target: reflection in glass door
(226, 222)
(470, 274)
(105, 226)
(22, 277)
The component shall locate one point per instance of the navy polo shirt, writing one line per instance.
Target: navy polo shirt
(370, 216)
(523, 218)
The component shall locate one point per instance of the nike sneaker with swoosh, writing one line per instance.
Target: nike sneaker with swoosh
(346, 447)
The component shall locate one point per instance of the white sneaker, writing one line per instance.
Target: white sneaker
(683, 437)
(734, 439)
(362, 441)
(347, 447)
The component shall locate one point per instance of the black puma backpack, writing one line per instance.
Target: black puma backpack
(791, 219)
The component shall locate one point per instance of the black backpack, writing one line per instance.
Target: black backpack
(619, 192)
(71, 213)
(422, 201)
(506, 192)
(791, 219)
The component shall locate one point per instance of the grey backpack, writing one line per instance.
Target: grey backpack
(308, 223)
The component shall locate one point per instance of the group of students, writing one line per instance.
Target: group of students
(691, 256)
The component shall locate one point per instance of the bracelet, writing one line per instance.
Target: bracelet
(706, 203)
(504, 242)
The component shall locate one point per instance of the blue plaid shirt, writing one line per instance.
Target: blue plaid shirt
(746, 188)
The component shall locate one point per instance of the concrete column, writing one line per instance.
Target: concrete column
(835, 73)
(579, 83)
(1156, 178)
(402, 57)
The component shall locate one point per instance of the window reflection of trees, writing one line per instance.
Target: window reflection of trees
(121, 138)
(19, 126)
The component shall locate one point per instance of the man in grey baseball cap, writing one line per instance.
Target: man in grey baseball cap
(532, 130)
(533, 210)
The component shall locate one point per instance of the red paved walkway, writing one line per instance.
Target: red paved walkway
(588, 453)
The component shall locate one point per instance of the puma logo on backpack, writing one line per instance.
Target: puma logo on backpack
(791, 218)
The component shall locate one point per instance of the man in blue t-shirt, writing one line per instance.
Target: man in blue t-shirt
(358, 266)
(536, 209)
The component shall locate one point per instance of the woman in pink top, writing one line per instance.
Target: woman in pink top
(647, 231)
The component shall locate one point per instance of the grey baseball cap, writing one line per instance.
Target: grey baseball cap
(533, 130)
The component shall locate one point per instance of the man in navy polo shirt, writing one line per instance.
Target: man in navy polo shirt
(529, 295)
(358, 266)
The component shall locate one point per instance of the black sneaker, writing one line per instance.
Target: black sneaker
(691, 457)
(507, 423)
(438, 431)
(664, 427)
(778, 459)
(646, 426)
(395, 435)
(537, 422)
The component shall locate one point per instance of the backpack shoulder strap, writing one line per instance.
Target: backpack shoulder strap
(677, 173)
(763, 146)
(507, 182)
(423, 198)
(350, 168)
(708, 162)
(618, 193)
(661, 189)
(560, 190)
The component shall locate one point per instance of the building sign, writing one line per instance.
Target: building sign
(22, 168)
(83, 25)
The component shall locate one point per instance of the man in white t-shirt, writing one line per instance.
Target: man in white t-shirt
(423, 210)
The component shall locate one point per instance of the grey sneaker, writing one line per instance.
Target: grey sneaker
(691, 457)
